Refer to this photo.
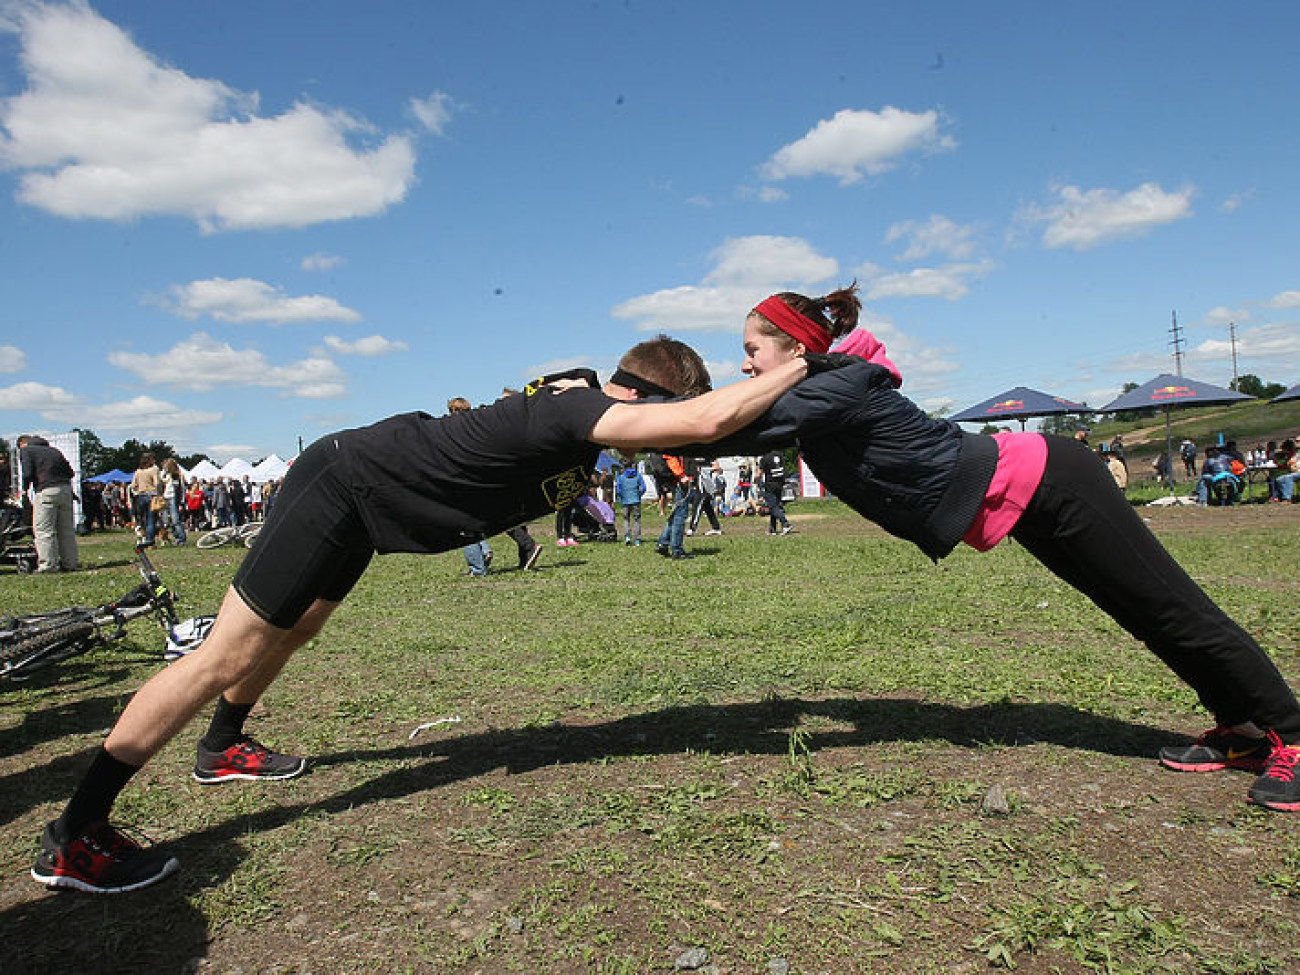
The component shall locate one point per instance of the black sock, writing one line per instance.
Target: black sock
(227, 725)
(95, 796)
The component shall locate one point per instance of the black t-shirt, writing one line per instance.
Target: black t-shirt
(773, 467)
(429, 484)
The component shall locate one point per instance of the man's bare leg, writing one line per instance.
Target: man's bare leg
(242, 656)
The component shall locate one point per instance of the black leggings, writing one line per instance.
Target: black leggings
(1084, 530)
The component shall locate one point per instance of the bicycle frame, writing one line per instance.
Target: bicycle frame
(30, 643)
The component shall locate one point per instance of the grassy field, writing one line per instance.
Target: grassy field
(811, 754)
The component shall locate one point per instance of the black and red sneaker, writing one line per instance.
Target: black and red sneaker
(100, 859)
(1218, 748)
(1279, 787)
(245, 759)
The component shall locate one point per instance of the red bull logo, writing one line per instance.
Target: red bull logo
(1162, 393)
(1007, 405)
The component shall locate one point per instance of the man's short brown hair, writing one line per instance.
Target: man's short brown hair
(668, 363)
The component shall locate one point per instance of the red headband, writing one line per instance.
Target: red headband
(799, 327)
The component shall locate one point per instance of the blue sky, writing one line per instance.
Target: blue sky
(235, 225)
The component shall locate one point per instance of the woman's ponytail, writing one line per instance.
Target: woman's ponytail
(842, 308)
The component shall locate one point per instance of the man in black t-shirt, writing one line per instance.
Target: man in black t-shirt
(772, 466)
(411, 483)
(49, 476)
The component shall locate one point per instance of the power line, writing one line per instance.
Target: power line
(1177, 343)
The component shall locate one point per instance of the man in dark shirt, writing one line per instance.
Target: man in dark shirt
(47, 473)
(772, 466)
(411, 483)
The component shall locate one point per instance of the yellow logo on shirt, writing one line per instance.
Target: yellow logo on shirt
(563, 489)
(534, 386)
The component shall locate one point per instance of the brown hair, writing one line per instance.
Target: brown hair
(147, 461)
(668, 363)
(173, 468)
(458, 405)
(836, 312)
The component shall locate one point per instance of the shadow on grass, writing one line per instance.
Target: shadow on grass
(160, 930)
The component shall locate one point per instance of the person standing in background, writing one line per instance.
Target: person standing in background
(629, 489)
(772, 466)
(48, 475)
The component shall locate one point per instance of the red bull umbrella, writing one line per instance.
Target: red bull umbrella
(1020, 403)
(1172, 391)
(1168, 393)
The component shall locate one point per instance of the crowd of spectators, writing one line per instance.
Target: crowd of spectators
(160, 502)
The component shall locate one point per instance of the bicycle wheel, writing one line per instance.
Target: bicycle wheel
(29, 651)
(250, 534)
(215, 538)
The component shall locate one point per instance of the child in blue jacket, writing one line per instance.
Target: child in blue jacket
(629, 489)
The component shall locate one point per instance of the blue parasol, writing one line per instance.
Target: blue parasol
(1020, 403)
(1168, 392)
(112, 477)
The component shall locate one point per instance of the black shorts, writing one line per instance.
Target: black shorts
(313, 546)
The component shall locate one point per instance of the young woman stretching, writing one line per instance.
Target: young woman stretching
(926, 480)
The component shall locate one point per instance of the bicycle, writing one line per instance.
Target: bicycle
(245, 534)
(32, 643)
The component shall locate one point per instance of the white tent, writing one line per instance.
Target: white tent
(270, 469)
(204, 470)
(237, 468)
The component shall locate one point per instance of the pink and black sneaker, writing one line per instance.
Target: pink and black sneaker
(245, 759)
(1279, 787)
(1219, 748)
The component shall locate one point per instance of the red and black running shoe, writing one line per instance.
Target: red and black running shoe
(1279, 787)
(245, 759)
(100, 859)
(1218, 748)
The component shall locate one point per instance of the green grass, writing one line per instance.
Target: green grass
(777, 751)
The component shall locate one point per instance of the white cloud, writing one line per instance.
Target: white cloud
(1271, 352)
(434, 112)
(104, 130)
(858, 142)
(322, 262)
(1285, 299)
(950, 282)
(12, 359)
(371, 345)
(143, 416)
(202, 363)
(224, 453)
(924, 367)
(1234, 202)
(938, 235)
(745, 271)
(772, 194)
(1276, 346)
(35, 397)
(1222, 316)
(763, 260)
(1083, 219)
(244, 300)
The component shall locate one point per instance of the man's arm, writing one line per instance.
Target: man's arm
(631, 427)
